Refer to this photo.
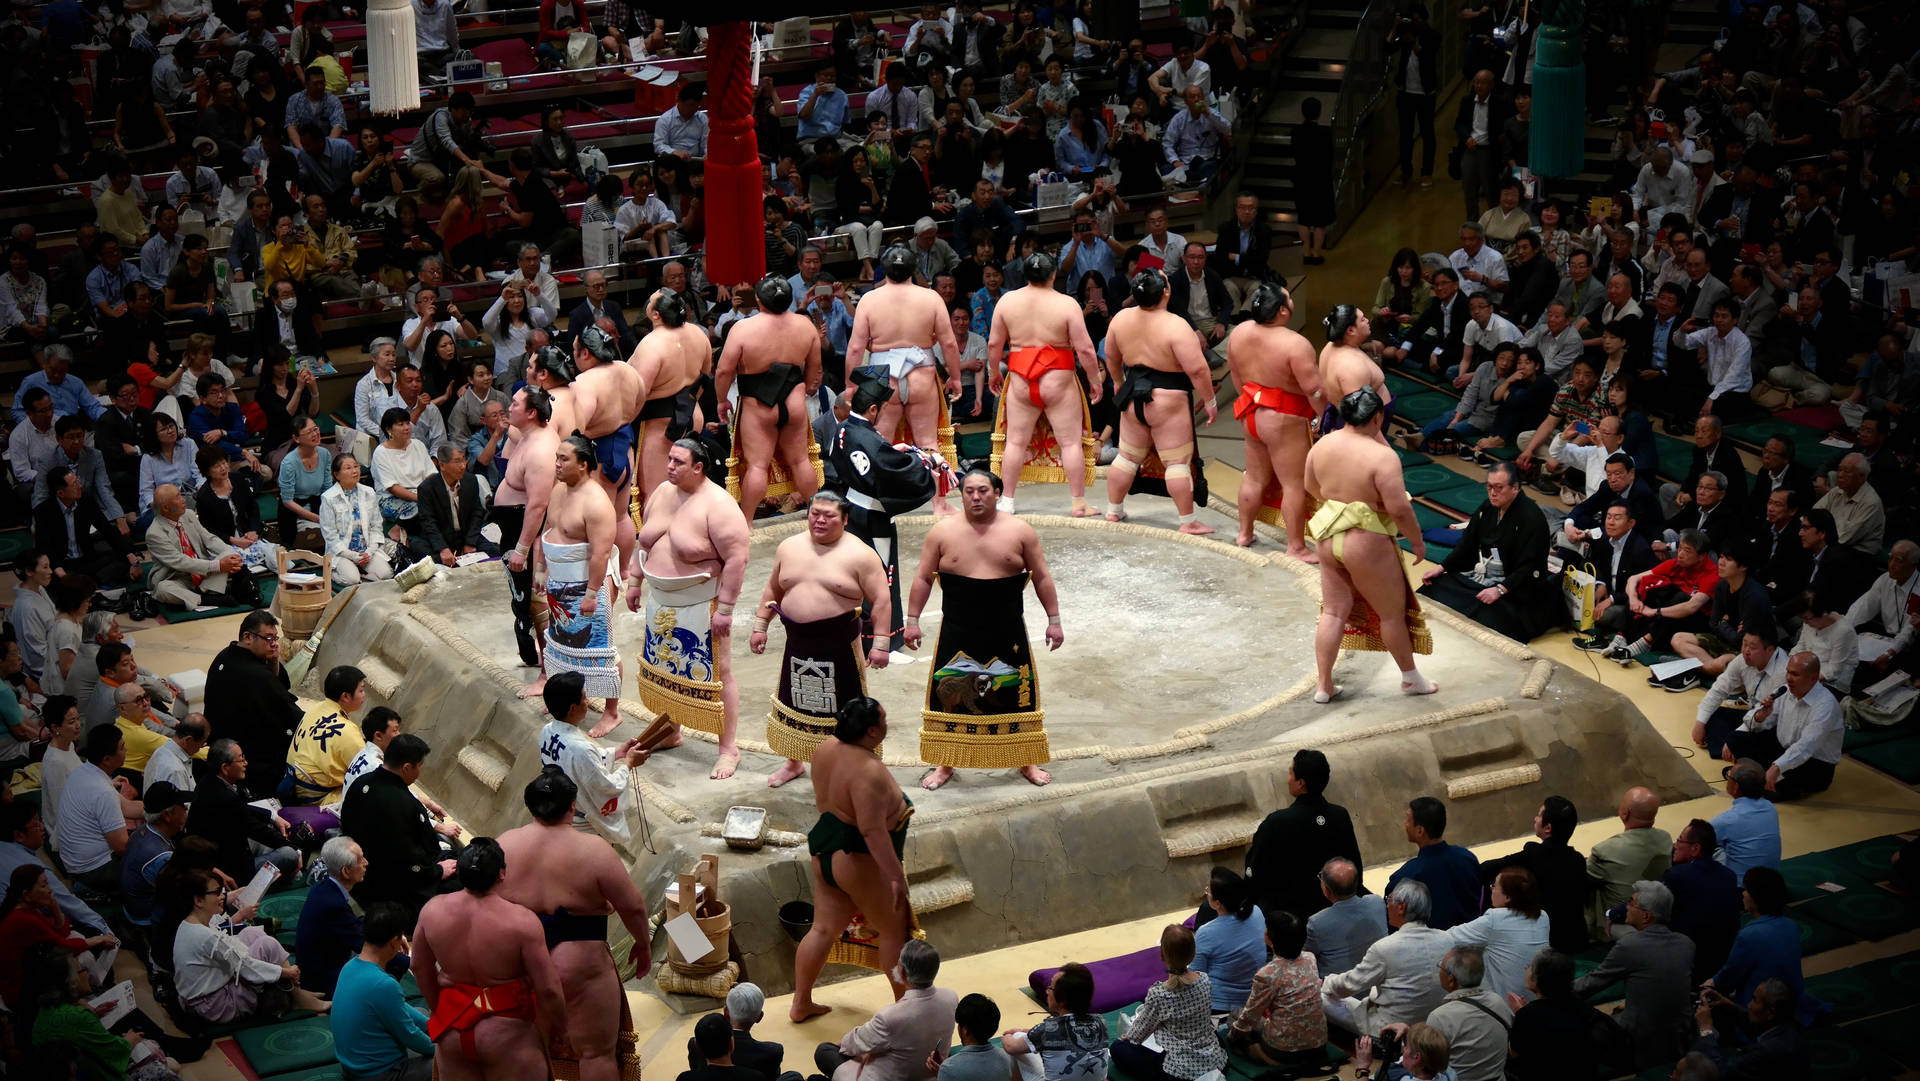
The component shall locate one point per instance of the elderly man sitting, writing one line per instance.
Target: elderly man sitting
(191, 563)
(901, 1038)
(1396, 981)
(145, 731)
(1797, 734)
(172, 761)
(1656, 963)
(1338, 936)
(329, 930)
(746, 1005)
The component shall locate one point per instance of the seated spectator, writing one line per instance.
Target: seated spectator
(378, 391)
(230, 510)
(1552, 1029)
(32, 613)
(58, 990)
(377, 1032)
(1578, 402)
(1559, 872)
(1890, 377)
(305, 473)
(291, 256)
(329, 931)
(1795, 733)
(1639, 851)
(510, 324)
(1196, 141)
(161, 250)
(1529, 395)
(1450, 873)
(1282, 1022)
(68, 392)
(23, 302)
(150, 848)
(326, 742)
(69, 526)
(1338, 936)
(219, 422)
(467, 410)
(400, 465)
(196, 360)
(1709, 511)
(1672, 596)
(429, 431)
(1510, 932)
(1424, 1054)
(1706, 898)
(23, 839)
(1884, 609)
(351, 528)
(465, 228)
(1474, 1020)
(1752, 677)
(334, 279)
(247, 837)
(93, 818)
(1398, 975)
(976, 1059)
(172, 762)
(32, 441)
(1497, 575)
(18, 729)
(165, 462)
(1773, 1044)
(191, 561)
(29, 916)
(192, 290)
(221, 978)
(1230, 946)
(1656, 964)
(406, 242)
(453, 510)
(447, 141)
(536, 213)
(142, 728)
(72, 594)
(1739, 601)
(745, 1006)
(1768, 947)
(1176, 1014)
(1072, 1041)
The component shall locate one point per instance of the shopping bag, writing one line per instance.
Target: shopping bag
(1577, 587)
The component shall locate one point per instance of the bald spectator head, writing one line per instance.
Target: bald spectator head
(1639, 807)
(168, 503)
(1619, 290)
(1339, 879)
(132, 700)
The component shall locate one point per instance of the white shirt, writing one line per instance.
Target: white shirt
(1671, 191)
(1729, 360)
(1886, 603)
(632, 213)
(1809, 728)
(602, 781)
(55, 768)
(1403, 973)
(1498, 331)
(169, 763)
(450, 325)
(372, 399)
(1837, 648)
(1199, 74)
(1511, 940)
(1478, 128)
(206, 960)
(1488, 262)
(1742, 680)
(881, 101)
(1860, 517)
(1169, 252)
(1589, 458)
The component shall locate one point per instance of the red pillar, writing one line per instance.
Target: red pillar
(735, 252)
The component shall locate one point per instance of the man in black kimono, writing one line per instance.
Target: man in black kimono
(248, 698)
(1497, 575)
(1295, 842)
(404, 863)
(880, 482)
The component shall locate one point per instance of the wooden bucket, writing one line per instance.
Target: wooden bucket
(715, 919)
(300, 605)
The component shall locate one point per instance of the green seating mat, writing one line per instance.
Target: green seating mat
(1675, 456)
(13, 543)
(1410, 458)
(268, 587)
(1862, 863)
(287, 1046)
(1867, 737)
(1421, 408)
(1899, 757)
(1401, 385)
(1841, 1056)
(1867, 912)
(1464, 497)
(1868, 988)
(1817, 935)
(317, 1073)
(1421, 479)
(1892, 1033)
(285, 906)
(1432, 517)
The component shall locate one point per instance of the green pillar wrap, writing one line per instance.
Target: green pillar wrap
(1556, 143)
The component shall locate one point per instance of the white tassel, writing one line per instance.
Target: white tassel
(393, 71)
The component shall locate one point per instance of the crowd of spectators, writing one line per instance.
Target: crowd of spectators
(161, 818)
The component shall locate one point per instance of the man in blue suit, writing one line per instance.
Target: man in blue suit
(597, 305)
(329, 932)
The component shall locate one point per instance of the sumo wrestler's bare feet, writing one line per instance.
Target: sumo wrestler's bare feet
(784, 774)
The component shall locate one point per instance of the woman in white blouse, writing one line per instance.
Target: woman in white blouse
(222, 977)
(350, 526)
(1511, 931)
(508, 325)
(32, 613)
(400, 466)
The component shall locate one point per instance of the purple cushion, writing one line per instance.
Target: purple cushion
(1117, 981)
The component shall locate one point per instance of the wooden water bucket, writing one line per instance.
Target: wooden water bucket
(300, 605)
(715, 919)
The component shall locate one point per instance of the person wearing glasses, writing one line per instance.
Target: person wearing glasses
(224, 978)
(1497, 573)
(248, 698)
